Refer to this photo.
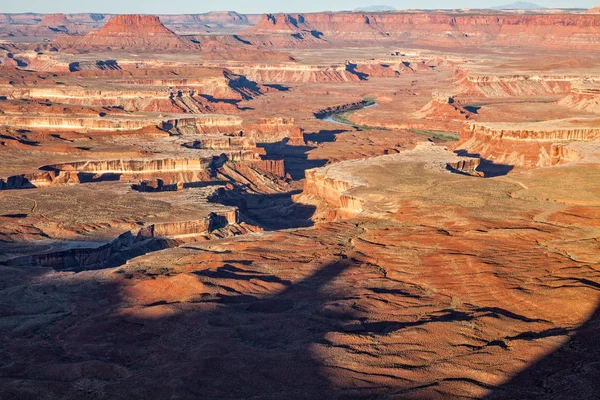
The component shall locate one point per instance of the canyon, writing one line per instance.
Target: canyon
(398, 204)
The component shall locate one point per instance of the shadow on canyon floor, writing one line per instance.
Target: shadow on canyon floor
(240, 346)
(232, 345)
(269, 211)
(571, 372)
(323, 136)
(489, 168)
(295, 157)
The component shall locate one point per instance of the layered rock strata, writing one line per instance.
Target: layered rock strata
(442, 28)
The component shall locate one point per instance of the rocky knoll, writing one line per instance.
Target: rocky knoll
(128, 32)
(442, 28)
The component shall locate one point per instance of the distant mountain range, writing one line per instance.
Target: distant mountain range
(375, 8)
(519, 5)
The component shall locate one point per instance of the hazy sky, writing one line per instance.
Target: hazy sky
(250, 6)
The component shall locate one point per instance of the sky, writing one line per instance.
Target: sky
(251, 6)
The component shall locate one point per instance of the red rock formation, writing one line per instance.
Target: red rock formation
(515, 85)
(58, 22)
(444, 107)
(270, 130)
(443, 29)
(275, 167)
(39, 179)
(128, 32)
(527, 144)
(583, 98)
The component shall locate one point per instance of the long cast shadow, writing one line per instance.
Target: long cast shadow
(295, 157)
(239, 346)
(571, 372)
(489, 168)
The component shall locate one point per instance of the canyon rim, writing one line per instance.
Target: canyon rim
(330, 205)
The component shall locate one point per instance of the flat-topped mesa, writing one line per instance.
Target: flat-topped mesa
(443, 107)
(549, 131)
(281, 23)
(55, 21)
(128, 32)
(134, 25)
(517, 85)
(293, 72)
(124, 125)
(350, 25)
(444, 28)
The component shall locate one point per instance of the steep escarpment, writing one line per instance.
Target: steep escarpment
(528, 144)
(518, 85)
(200, 90)
(442, 28)
(208, 123)
(294, 72)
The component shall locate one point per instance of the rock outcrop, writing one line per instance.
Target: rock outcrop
(528, 145)
(293, 72)
(521, 85)
(59, 23)
(444, 107)
(209, 123)
(128, 32)
(271, 130)
(583, 98)
(442, 28)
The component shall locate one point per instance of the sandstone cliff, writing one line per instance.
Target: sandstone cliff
(442, 28)
(528, 144)
(128, 32)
